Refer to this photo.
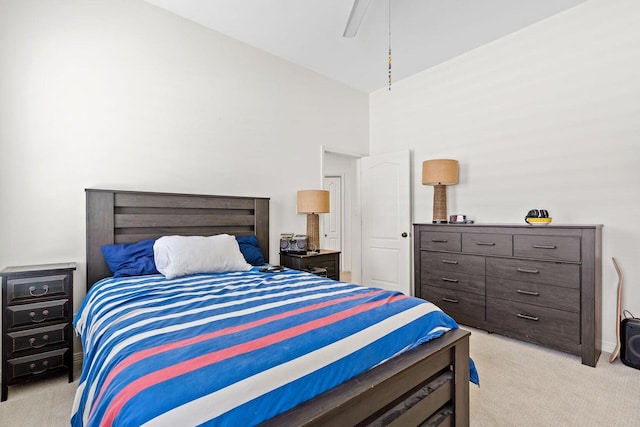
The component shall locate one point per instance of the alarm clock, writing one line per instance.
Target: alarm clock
(296, 244)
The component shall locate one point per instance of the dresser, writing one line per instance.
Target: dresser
(37, 310)
(324, 259)
(540, 284)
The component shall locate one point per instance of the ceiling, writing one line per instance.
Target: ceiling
(424, 33)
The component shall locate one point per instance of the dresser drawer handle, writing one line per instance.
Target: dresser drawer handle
(526, 316)
(545, 247)
(525, 270)
(520, 291)
(45, 288)
(32, 340)
(439, 240)
(32, 366)
(446, 279)
(32, 314)
(448, 261)
(455, 301)
(485, 243)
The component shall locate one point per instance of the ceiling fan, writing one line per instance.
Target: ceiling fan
(358, 11)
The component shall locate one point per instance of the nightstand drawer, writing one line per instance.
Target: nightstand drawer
(468, 264)
(440, 241)
(37, 338)
(33, 288)
(487, 244)
(565, 248)
(33, 314)
(37, 364)
(325, 259)
(327, 264)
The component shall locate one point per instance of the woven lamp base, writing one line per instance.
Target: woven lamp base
(313, 231)
(439, 204)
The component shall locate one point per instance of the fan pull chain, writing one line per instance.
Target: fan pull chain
(389, 61)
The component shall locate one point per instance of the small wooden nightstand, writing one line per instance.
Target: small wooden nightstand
(37, 311)
(329, 260)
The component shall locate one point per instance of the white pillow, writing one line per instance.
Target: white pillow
(177, 256)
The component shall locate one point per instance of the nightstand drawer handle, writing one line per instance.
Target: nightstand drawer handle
(45, 313)
(455, 301)
(32, 366)
(520, 291)
(525, 270)
(545, 247)
(446, 279)
(439, 240)
(485, 243)
(45, 288)
(448, 261)
(32, 340)
(526, 316)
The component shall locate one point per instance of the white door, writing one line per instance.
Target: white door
(332, 222)
(386, 221)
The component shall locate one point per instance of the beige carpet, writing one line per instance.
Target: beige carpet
(526, 385)
(521, 385)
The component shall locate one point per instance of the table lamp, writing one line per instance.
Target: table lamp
(439, 173)
(313, 202)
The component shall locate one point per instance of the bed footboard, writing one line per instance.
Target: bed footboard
(426, 386)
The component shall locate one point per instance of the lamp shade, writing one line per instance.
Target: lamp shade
(313, 201)
(440, 172)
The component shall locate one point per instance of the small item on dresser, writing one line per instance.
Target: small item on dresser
(538, 217)
(459, 219)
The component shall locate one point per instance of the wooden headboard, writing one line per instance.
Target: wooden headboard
(130, 216)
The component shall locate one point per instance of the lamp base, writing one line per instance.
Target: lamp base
(439, 204)
(313, 231)
(439, 222)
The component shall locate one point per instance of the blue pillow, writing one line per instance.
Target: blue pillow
(130, 259)
(251, 249)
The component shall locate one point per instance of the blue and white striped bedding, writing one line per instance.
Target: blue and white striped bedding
(234, 348)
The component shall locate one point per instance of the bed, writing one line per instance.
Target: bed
(417, 383)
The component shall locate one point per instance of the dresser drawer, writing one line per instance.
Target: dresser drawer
(38, 338)
(33, 314)
(468, 264)
(559, 298)
(528, 320)
(33, 288)
(36, 364)
(455, 281)
(565, 275)
(565, 248)
(455, 303)
(440, 241)
(487, 244)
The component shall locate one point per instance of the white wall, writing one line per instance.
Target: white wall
(121, 94)
(548, 117)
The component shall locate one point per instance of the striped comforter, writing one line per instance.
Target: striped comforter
(233, 349)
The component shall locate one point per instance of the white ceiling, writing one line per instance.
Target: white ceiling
(309, 32)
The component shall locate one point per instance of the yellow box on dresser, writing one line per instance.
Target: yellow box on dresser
(541, 284)
(37, 310)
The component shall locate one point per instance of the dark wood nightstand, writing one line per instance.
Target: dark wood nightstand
(329, 260)
(37, 311)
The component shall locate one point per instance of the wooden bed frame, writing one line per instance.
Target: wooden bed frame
(428, 385)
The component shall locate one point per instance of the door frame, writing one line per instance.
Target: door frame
(354, 255)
